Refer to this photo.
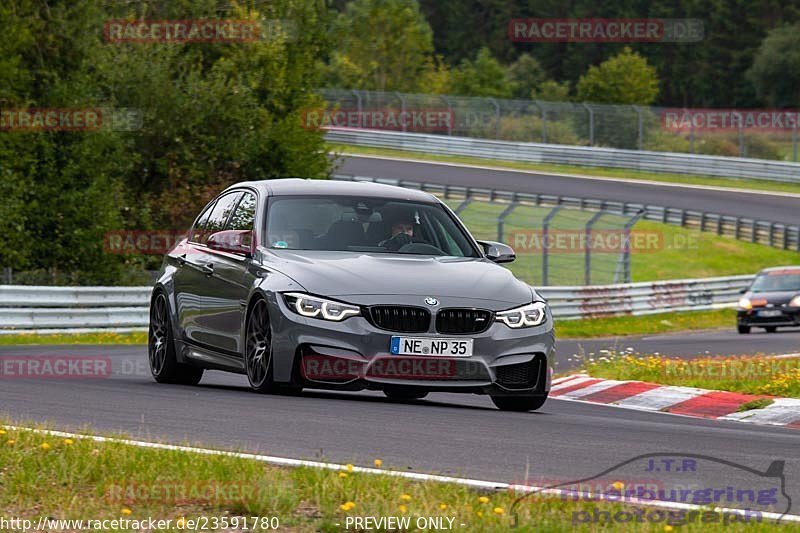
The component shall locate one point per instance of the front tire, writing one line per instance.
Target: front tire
(258, 349)
(164, 365)
(743, 330)
(519, 403)
(771, 329)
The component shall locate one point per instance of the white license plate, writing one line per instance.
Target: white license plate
(770, 312)
(431, 346)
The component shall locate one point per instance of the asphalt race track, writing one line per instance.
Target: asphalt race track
(777, 207)
(446, 433)
(687, 344)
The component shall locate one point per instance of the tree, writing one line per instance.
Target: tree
(212, 114)
(623, 79)
(551, 91)
(383, 45)
(527, 75)
(776, 68)
(484, 76)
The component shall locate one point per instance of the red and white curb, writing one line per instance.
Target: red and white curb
(687, 401)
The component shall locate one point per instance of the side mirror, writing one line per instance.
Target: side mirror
(498, 252)
(742, 291)
(232, 241)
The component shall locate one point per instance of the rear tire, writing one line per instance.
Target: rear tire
(404, 394)
(161, 354)
(519, 403)
(771, 329)
(258, 349)
(743, 330)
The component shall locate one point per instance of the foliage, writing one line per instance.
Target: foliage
(776, 68)
(551, 91)
(483, 76)
(384, 45)
(623, 79)
(527, 76)
(211, 114)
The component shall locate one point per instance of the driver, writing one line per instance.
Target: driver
(401, 221)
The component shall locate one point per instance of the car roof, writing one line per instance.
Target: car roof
(326, 187)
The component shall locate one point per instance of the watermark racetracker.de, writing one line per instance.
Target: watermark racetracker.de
(198, 31)
(605, 30)
(85, 119)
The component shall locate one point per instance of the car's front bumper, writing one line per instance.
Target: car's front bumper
(789, 316)
(354, 355)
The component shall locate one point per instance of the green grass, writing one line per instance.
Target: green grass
(759, 375)
(621, 326)
(138, 337)
(617, 173)
(675, 252)
(43, 475)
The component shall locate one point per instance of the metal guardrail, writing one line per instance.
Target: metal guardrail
(37, 309)
(645, 298)
(704, 165)
(775, 234)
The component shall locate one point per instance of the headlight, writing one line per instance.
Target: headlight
(524, 317)
(744, 303)
(795, 301)
(315, 307)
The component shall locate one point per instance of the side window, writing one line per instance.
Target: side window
(219, 215)
(196, 235)
(245, 213)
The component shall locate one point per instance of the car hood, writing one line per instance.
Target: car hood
(773, 297)
(342, 274)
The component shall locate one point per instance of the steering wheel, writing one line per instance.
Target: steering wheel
(420, 248)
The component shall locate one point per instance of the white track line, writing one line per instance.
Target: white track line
(587, 177)
(474, 483)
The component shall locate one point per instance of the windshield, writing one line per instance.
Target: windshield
(356, 224)
(777, 281)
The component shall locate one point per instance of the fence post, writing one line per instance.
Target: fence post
(626, 251)
(591, 123)
(742, 147)
(449, 114)
(463, 205)
(794, 141)
(501, 219)
(546, 244)
(496, 117)
(640, 123)
(544, 119)
(588, 257)
(8, 278)
(358, 106)
(402, 108)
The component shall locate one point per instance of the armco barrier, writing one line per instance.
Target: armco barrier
(31, 309)
(704, 165)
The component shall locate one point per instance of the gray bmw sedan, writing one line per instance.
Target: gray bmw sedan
(350, 286)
